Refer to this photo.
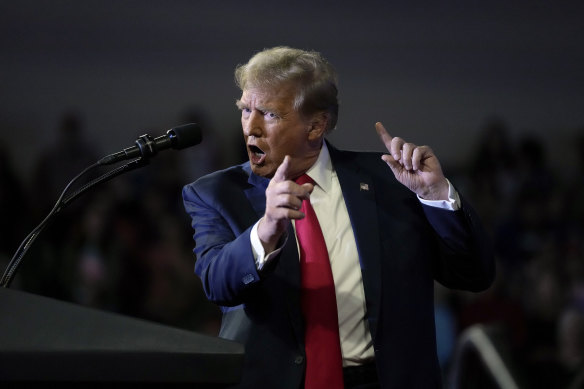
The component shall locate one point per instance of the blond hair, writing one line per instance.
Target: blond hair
(315, 79)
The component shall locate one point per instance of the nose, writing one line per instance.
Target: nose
(252, 125)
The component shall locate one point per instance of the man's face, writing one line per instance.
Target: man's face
(272, 129)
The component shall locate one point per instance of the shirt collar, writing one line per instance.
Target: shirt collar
(322, 170)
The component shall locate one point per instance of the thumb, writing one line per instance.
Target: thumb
(394, 165)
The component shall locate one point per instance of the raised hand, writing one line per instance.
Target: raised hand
(283, 200)
(416, 167)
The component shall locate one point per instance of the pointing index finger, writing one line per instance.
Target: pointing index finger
(282, 171)
(383, 135)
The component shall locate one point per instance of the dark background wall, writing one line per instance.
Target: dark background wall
(431, 72)
(496, 88)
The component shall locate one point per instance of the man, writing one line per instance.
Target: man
(389, 233)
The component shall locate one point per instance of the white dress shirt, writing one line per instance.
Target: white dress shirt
(331, 211)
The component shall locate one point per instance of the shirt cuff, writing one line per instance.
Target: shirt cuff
(259, 254)
(452, 204)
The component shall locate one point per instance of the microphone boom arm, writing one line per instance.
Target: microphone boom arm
(61, 203)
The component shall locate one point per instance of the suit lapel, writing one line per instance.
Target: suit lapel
(358, 190)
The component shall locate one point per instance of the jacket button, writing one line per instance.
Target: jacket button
(299, 359)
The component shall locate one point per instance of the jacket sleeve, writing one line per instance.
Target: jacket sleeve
(225, 262)
(466, 260)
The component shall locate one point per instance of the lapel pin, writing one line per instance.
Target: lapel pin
(363, 186)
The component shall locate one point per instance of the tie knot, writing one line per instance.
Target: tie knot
(303, 179)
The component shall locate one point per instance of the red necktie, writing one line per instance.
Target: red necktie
(324, 365)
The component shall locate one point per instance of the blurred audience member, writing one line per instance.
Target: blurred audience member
(64, 159)
(492, 171)
(211, 154)
(571, 338)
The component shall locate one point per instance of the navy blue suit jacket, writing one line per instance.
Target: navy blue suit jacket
(403, 247)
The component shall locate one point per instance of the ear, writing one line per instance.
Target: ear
(317, 125)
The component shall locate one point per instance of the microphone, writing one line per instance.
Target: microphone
(177, 138)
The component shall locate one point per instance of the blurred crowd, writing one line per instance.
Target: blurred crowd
(127, 246)
(535, 216)
(124, 246)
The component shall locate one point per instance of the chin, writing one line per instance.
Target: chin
(263, 171)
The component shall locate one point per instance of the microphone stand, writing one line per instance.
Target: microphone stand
(61, 203)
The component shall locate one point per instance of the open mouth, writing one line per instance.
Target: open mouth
(256, 155)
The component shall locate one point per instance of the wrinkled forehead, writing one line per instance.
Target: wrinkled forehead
(283, 93)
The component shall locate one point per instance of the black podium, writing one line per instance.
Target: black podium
(43, 340)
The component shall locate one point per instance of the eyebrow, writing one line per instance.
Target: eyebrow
(241, 105)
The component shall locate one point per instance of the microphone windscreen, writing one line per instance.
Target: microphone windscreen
(186, 135)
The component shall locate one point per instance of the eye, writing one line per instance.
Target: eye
(245, 111)
(271, 115)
